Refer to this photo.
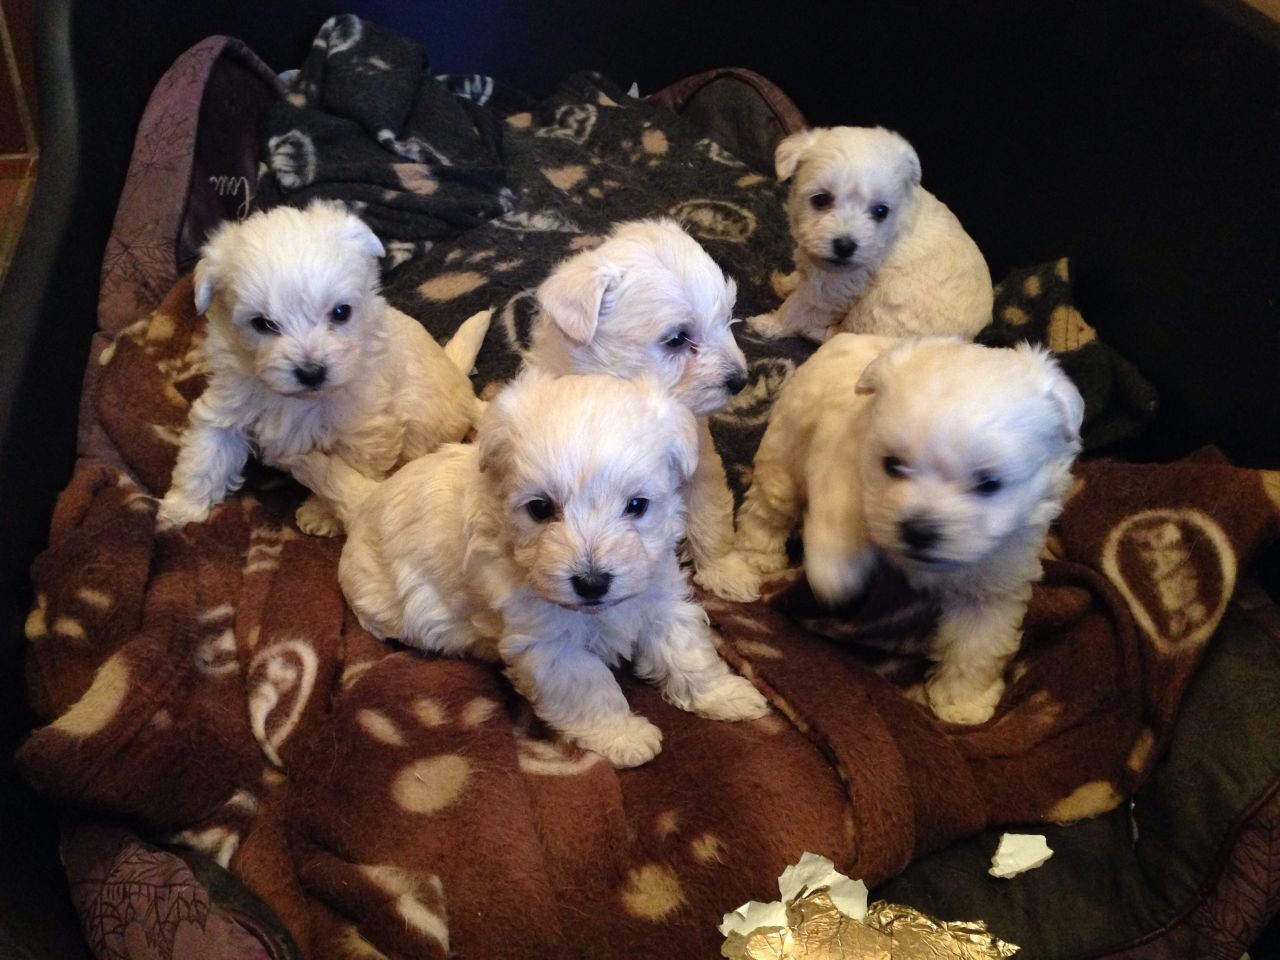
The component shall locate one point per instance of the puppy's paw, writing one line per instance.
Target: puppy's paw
(768, 326)
(765, 562)
(958, 702)
(628, 742)
(176, 511)
(836, 577)
(730, 697)
(729, 577)
(784, 284)
(317, 519)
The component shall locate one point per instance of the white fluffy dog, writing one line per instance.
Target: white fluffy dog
(649, 300)
(875, 253)
(551, 544)
(947, 458)
(304, 355)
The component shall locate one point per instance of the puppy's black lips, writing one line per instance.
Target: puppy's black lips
(928, 560)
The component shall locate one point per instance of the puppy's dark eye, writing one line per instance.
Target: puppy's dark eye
(340, 314)
(894, 467)
(987, 485)
(822, 201)
(264, 325)
(541, 510)
(678, 341)
(879, 212)
(636, 507)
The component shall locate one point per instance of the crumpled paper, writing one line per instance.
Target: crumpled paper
(823, 915)
(1018, 853)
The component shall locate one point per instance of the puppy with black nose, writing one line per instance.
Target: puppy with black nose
(650, 300)
(305, 356)
(948, 460)
(550, 544)
(875, 252)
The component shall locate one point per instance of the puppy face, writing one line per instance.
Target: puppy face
(967, 448)
(850, 188)
(647, 301)
(586, 472)
(294, 295)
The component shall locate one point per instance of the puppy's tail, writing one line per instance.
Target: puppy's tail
(464, 346)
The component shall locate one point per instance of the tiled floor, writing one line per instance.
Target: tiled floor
(16, 189)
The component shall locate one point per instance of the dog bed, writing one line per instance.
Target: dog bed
(210, 690)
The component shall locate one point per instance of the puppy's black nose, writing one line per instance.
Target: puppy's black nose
(735, 382)
(918, 534)
(311, 374)
(842, 248)
(591, 585)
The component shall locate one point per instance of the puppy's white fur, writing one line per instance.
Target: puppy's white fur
(649, 300)
(308, 279)
(948, 459)
(447, 556)
(914, 270)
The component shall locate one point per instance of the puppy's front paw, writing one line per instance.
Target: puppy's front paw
(317, 519)
(767, 325)
(176, 511)
(959, 702)
(784, 284)
(834, 576)
(730, 697)
(627, 743)
(729, 577)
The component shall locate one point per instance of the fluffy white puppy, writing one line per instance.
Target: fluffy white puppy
(550, 543)
(305, 355)
(948, 459)
(875, 252)
(649, 300)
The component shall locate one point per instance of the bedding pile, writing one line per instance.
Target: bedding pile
(210, 688)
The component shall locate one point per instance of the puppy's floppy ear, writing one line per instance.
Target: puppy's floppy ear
(573, 295)
(676, 421)
(873, 375)
(908, 161)
(493, 434)
(357, 232)
(1057, 386)
(205, 279)
(790, 150)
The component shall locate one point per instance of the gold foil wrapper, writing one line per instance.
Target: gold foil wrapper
(819, 931)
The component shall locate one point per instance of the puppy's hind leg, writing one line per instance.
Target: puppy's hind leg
(772, 504)
(677, 653)
(573, 691)
(717, 566)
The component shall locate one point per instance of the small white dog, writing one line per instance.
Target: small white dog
(305, 355)
(550, 543)
(947, 458)
(649, 300)
(875, 253)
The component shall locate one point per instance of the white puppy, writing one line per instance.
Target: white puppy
(947, 458)
(304, 355)
(649, 300)
(875, 252)
(551, 544)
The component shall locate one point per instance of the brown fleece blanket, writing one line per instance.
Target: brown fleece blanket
(211, 688)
